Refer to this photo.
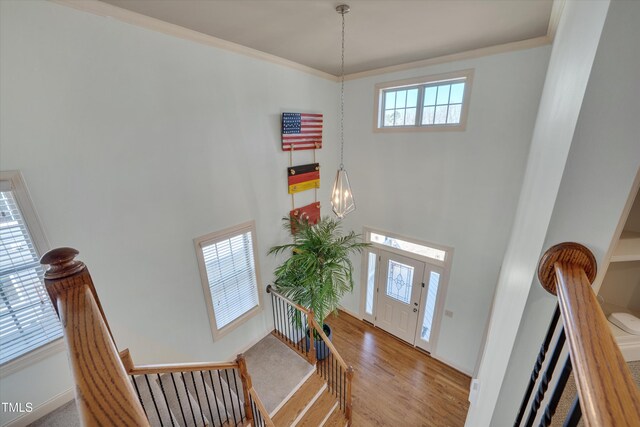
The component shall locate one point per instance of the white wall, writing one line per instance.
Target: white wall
(602, 165)
(457, 189)
(132, 143)
(569, 67)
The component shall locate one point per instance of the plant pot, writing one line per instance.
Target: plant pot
(322, 351)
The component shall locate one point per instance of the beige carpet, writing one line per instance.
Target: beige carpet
(570, 392)
(275, 371)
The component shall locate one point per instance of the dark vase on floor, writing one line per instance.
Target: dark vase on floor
(322, 351)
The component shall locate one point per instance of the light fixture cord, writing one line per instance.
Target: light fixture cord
(342, 99)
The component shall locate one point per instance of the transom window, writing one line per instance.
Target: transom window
(227, 261)
(404, 245)
(426, 103)
(27, 318)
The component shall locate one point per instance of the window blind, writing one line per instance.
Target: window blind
(27, 317)
(231, 275)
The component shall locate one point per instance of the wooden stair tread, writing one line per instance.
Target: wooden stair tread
(319, 410)
(336, 419)
(299, 401)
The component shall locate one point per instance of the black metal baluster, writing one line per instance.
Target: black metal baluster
(298, 333)
(195, 387)
(255, 412)
(135, 384)
(235, 381)
(276, 309)
(546, 377)
(153, 399)
(283, 319)
(193, 414)
(178, 397)
(213, 388)
(166, 402)
(273, 311)
(305, 328)
(545, 420)
(206, 395)
(575, 413)
(336, 378)
(280, 326)
(538, 365)
(331, 362)
(287, 311)
(233, 410)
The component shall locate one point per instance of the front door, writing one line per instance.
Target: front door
(400, 286)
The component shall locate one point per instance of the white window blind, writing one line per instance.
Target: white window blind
(231, 276)
(27, 317)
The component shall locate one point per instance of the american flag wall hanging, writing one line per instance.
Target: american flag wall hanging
(301, 131)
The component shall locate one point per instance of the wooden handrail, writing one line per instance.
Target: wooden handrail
(608, 394)
(305, 310)
(179, 367)
(104, 394)
(328, 343)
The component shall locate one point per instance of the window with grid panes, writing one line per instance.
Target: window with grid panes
(227, 262)
(27, 318)
(425, 103)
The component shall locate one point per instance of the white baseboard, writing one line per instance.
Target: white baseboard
(350, 313)
(453, 365)
(253, 342)
(42, 410)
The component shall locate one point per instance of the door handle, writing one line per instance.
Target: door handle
(415, 310)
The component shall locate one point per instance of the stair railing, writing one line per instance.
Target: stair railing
(104, 394)
(607, 395)
(111, 390)
(287, 316)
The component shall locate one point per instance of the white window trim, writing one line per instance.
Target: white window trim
(417, 81)
(21, 195)
(217, 236)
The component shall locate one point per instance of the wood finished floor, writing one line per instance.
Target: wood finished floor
(395, 384)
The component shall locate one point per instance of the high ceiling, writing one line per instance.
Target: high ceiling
(379, 33)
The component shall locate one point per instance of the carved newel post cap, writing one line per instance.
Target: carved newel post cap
(62, 263)
(568, 253)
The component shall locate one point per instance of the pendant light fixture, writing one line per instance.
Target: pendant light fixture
(342, 201)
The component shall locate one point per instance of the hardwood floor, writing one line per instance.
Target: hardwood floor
(395, 384)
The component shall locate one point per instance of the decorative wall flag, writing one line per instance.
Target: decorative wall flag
(301, 131)
(310, 213)
(304, 177)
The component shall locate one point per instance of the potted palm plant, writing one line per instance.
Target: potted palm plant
(318, 272)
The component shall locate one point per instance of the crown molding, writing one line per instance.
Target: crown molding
(99, 8)
(470, 54)
(110, 11)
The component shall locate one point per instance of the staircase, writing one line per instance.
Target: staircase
(112, 390)
(311, 405)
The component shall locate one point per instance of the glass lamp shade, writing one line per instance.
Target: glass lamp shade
(342, 201)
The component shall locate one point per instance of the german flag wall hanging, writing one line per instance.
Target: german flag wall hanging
(304, 177)
(301, 131)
